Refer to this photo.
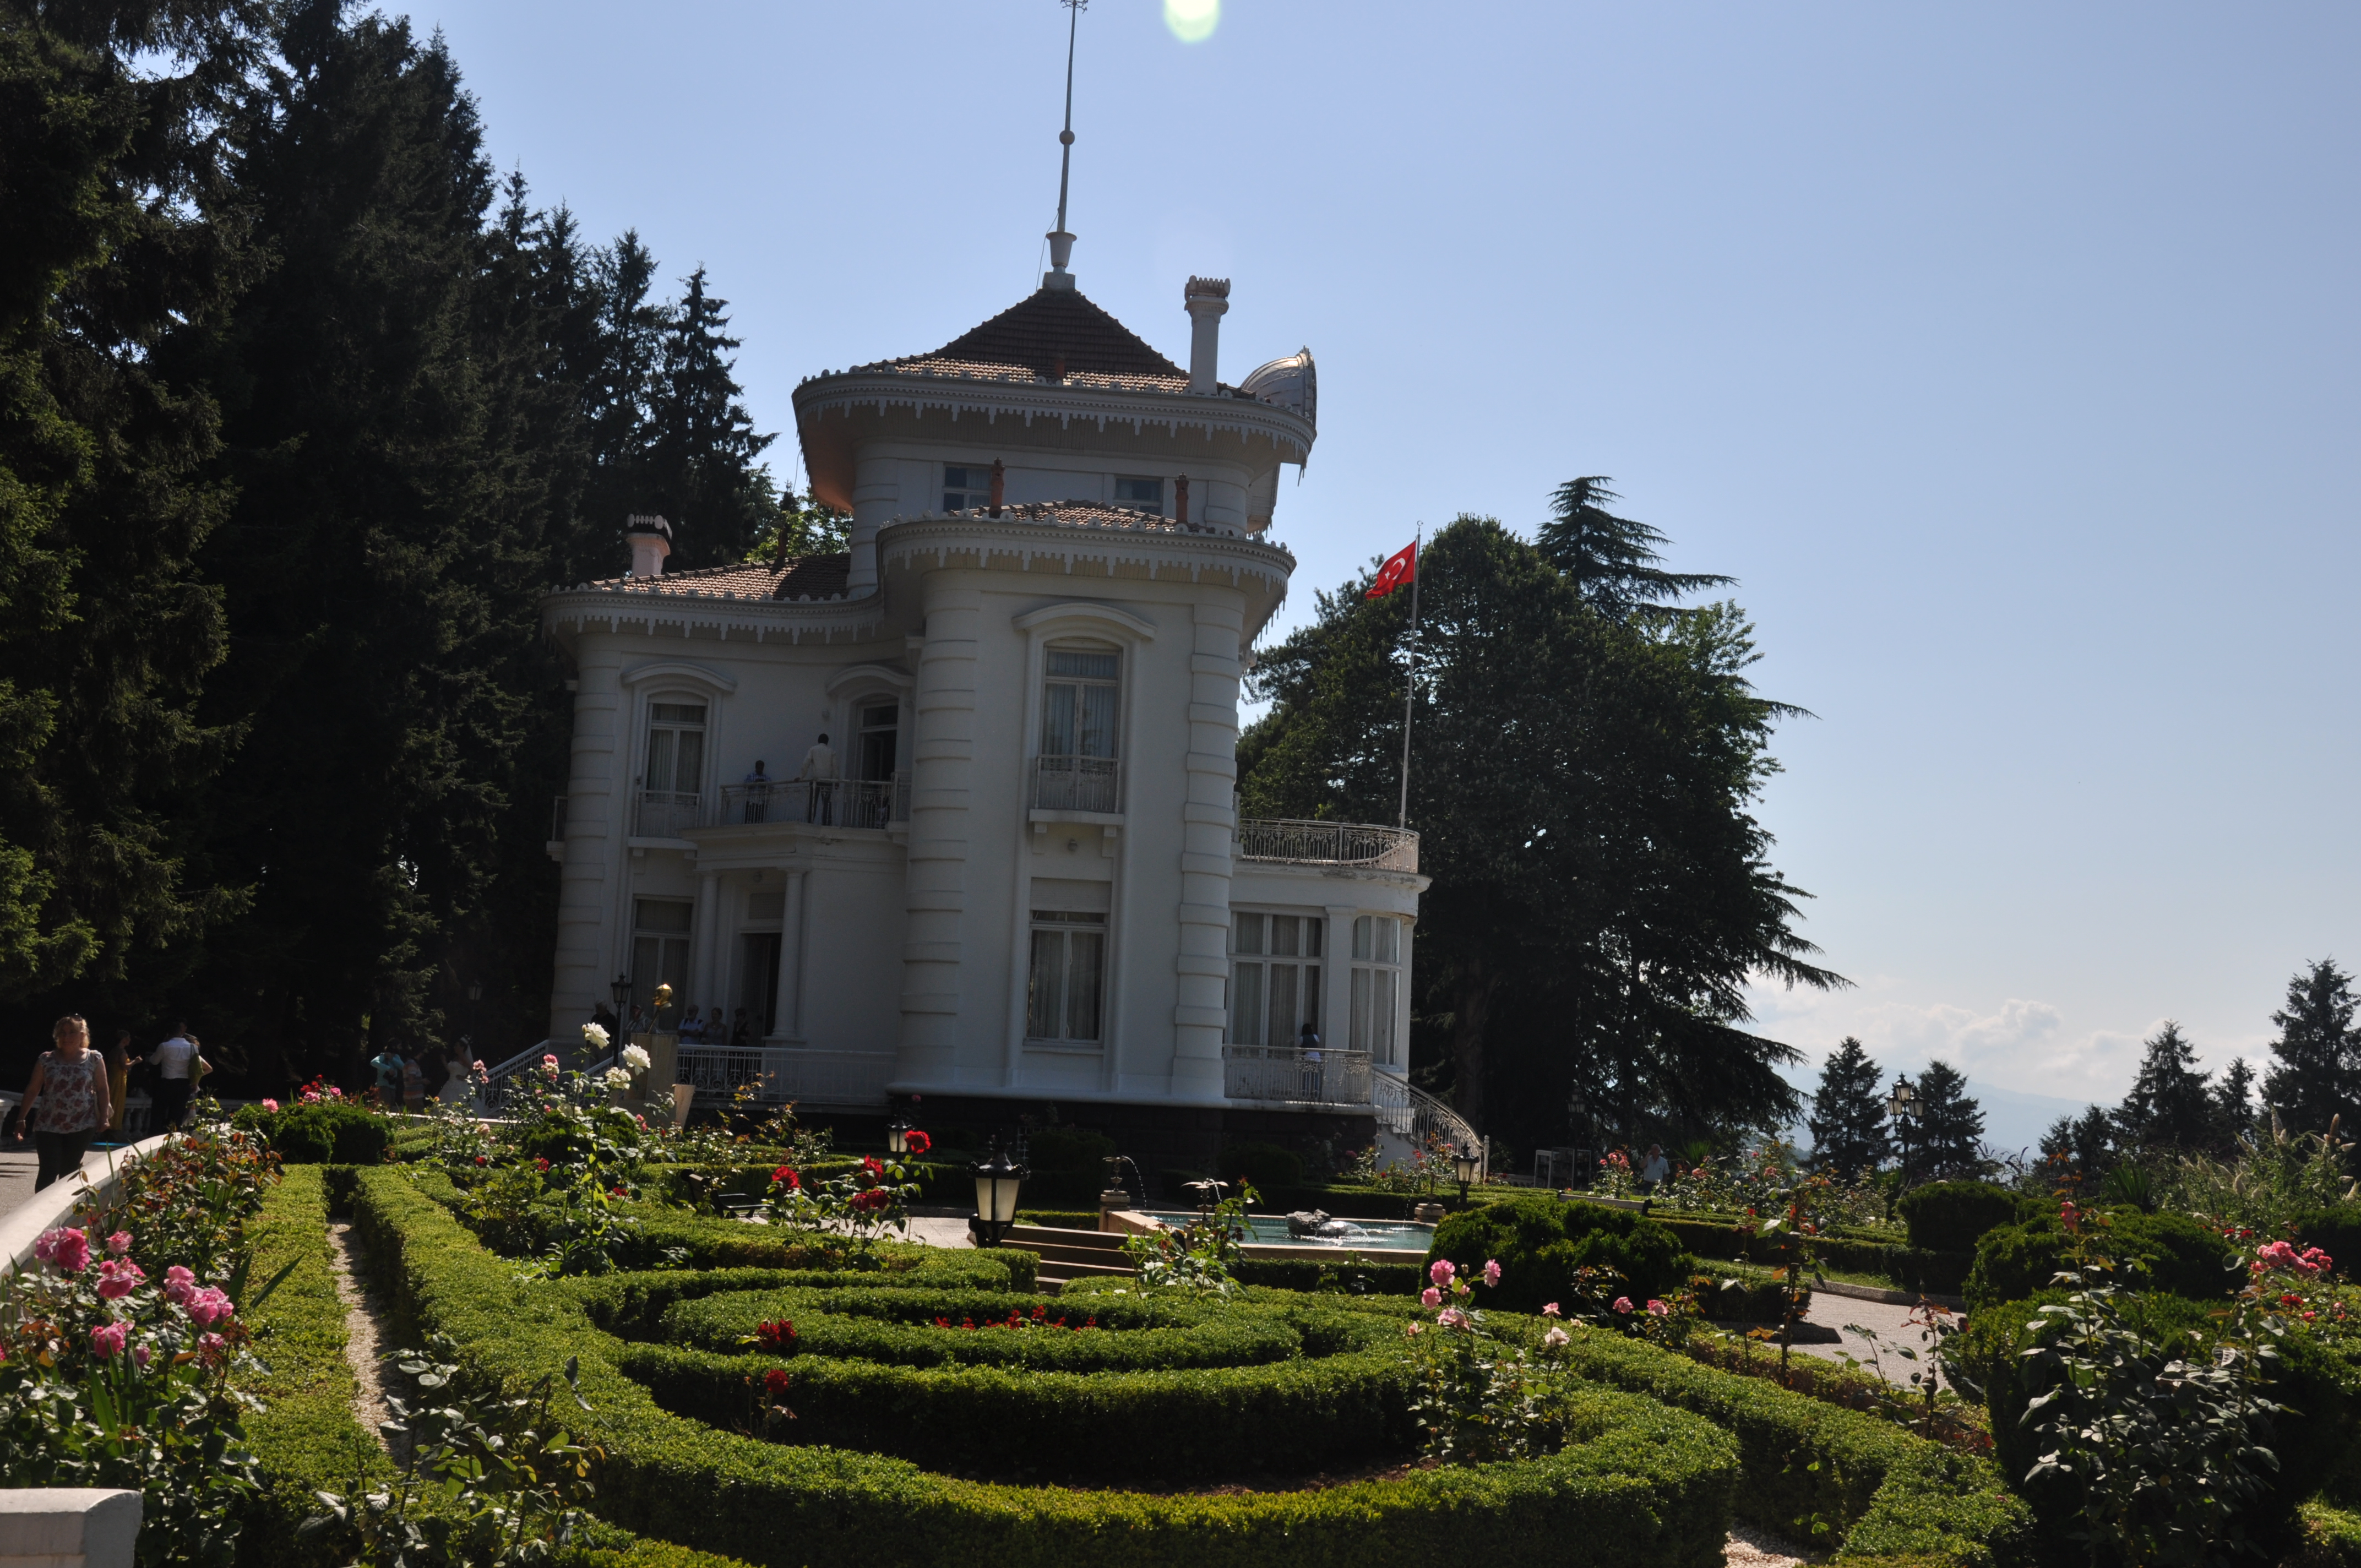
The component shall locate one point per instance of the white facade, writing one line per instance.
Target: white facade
(1029, 881)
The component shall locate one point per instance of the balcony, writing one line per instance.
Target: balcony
(818, 803)
(841, 1080)
(1078, 783)
(1303, 843)
(1285, 1075)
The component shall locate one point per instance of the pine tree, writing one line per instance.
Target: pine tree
(1945, 1137)
(2169, 1108)
(2233, 1104)
(1611, 561)
(2087, 1143)
(114, 279)
(700, 463)
(1847, 1120)
(2316, 1074)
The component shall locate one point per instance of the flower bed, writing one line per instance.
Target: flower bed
(1643, 1484)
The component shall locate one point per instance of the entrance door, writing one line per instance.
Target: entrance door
(759, 987)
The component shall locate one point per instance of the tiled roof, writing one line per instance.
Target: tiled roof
(801, 577)
(1051, 332)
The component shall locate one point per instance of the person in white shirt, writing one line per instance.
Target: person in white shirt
(819, 772)
(172, 1060)
(1655, 1168)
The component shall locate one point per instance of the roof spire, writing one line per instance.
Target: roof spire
(1061, 244)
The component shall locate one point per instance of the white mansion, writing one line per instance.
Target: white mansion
(1014, 871)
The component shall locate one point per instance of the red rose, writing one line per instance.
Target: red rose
(481, 1159)
(786, 1177)
(918, 1142)
(869, 1165)
(774, 1382)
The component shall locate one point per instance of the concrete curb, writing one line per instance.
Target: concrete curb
(102, 1177)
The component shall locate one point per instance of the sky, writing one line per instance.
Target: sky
(2005, 353)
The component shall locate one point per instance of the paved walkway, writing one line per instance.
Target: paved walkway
(16, 1173)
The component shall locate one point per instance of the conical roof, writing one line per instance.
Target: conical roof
(1056, 333)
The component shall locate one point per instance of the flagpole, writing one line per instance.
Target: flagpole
(1409, 680)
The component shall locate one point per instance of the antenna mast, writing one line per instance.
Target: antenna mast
(1061, 244)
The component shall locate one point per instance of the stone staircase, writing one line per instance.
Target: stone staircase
(1070, 1255)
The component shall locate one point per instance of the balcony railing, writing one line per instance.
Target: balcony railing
(820, 802)
(816, 1080)
(1077, 783)
(1421, 1121)
(1287, 1075)
(1328, 844)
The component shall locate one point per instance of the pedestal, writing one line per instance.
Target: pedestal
(664, 1067)
(1113, 1199)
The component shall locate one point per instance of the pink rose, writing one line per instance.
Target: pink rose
(1658, 1309)
(1554, 1338)
(1492, 1271)
(1451, 1317)
(212, 1349)
(119, 1243)
(1440, 1271)
(117, 1277)
(106, 1340)
(1430, 1297)
(271, 1105)
(1549, 1309)
(140, 1354)
(68, 1249)
(1622, 1303)
(210, 1306)
(1416, 1327)
(179, 1285)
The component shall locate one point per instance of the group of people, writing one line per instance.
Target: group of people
(75, 1093)
(399, 1080)
(706, 1030)
(819, 771)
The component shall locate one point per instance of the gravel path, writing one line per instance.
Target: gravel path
(364, 1317)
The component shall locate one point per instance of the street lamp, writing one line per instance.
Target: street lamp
(1903, 1106)
(898, 1135)
(1466, 1165)
(996, 1180)
(621, 991)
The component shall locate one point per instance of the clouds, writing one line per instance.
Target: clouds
(2025, 1044)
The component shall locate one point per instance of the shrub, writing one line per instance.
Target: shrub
(328, 1131)
(1268, 1166)
(2336, 1230)
(2169, 1253)
(1540, 1242)
(1353, 1274)
(1952, 1216)
(1654, 1487)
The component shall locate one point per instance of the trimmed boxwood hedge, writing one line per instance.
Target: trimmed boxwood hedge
(1910, 1268)
(1953, 1216)
(2168, 1253)
(1353, 1274)
(1141, 1333)
(1540, 1241)
(337, 1131)
(1653, 1485)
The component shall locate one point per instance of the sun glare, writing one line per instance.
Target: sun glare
(1192, 21)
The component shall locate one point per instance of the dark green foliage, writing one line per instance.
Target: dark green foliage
(2318, 1050)
(1909, 1267)
(1612, 562)
(1654, 1486)
(1354, 1274)
(2085, 1145)
(2168, 1253)
(338, 1133)
(2312, 1440)
(2336, 1232)
(2232, 1101)
(116, 271)
(1847, 1120)
(1827, 1477)
(1952, 1216)
(1067, 1163)
(1601, 892)
(1944, 1139)
(1268, 1166)
(2170, 1109)
(1539, 1243)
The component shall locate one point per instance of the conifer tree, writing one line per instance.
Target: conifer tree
(1847, 1120)
(2087, 1142)
(1950, 1127)
(2170, 1109)
(702, 458)
(2315, 1076)
(2233, 1104)
(1611, 561)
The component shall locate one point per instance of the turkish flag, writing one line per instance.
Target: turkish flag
(1401, 569)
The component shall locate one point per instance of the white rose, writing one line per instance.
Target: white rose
(636, 1058)
(616, 1077)
(596, 1034)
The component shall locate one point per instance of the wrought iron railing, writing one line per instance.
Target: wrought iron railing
(1419, 1119)
(1077, 783)
(1291, 1076)
(821, 802)
(667, 813)
(1328, 844)
(816, 1079)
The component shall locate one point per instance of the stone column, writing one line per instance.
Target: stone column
(598, 797)
(704, 930)
(876, 499)
(791, 957)
(942, 759)
(1209, 819)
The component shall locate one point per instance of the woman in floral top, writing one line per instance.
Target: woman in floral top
(67, 1101)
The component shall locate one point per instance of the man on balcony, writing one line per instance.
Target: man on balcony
(758, 794)
(820, 774)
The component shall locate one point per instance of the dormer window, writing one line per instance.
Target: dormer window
(965, 487)
(1145, 494)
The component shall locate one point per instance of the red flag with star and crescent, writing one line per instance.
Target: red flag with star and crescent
(1399, 571)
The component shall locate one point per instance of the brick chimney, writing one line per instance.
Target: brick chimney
(650, 538)
(999, 485)
(1206, 301)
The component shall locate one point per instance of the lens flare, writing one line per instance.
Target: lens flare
(1192, 21)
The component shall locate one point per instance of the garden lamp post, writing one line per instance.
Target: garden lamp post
(1903, 1106)
(1466, 1165)
(898, 1135)
(996, 1180)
